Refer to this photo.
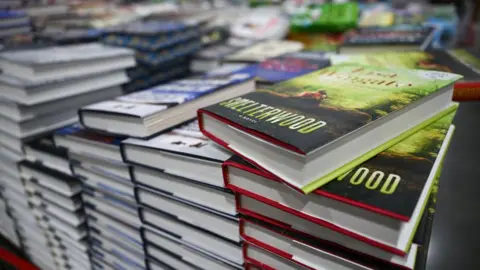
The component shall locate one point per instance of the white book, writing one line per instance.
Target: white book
(222, 225)
(65, 61)
(229, 251)
(145, 113)
(32, 94)
(117, 170)
(218, 199)
(114, 247)
(263, 50)
(37, 126)
(189, 258)
(117, 260)
(18, 112)
(183, 147)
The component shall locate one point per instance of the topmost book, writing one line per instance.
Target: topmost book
(63, 62)
(312, 129)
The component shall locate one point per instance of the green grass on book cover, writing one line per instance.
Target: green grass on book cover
(311, 111)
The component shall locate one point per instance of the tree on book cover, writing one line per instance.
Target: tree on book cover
(460, 61)
(320, 107)
(397, 174)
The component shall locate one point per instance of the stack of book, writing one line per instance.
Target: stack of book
(55, 202)
(162, 50)
(184, 228)
(14, 23)
(8, 228)
(108, 195)
(335, 168)
(42, 88)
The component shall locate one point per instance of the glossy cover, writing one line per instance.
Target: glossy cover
(398, 174)
(311, 111)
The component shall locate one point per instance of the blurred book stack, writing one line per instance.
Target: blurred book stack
(108, 195)
(42, 90)
(161, 49)
(55, 202)
(8, 227)
(14, 23)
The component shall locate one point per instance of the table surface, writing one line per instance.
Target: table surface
(455, 239)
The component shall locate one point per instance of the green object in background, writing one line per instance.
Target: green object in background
(326, 18)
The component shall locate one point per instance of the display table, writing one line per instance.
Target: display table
(455, 239)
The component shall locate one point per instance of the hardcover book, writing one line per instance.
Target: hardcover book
(44, 152)
(319, 126)
(289, 66)
(81, 60)
(460, 61)
(211, 57)
(263, 50)
(145, 113)
(166, 55)
(182, 147)
(87, 142)
(313, 253)
(368, 194)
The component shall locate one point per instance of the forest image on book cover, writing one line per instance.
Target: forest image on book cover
(397, 174)
(315, 109)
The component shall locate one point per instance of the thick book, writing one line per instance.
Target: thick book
(30, 93)
(313, 254)
(115, 247)
(314, 128)
(182, 147)
(369, 193)
(157, 78)
(44, 152)
(89, 143)
(65, 62)
(227, 251)
(34, 128)
(108, 226)
(116, 170)
(105, 182)
(21, 112)
(393, 38)
(72, 203)
(459, 61)
(263, 50)
(289, 66)
(148, 112)
(211, 57)
(219, 199)
(117, 258)
(57, 181)
(179, 255)
(215, 222)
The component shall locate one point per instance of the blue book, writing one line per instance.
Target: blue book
(145, 113)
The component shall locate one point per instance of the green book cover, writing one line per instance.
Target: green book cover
(311, 111)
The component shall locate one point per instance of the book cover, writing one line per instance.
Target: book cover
(186, 140)
(264, 50)
(308, 112)
(63, 54)
(46, 145)
(394, 35)
(150, 43)
(144, 103)
(163, 56)
(289, 66)
(398, 174)
(459, 61)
